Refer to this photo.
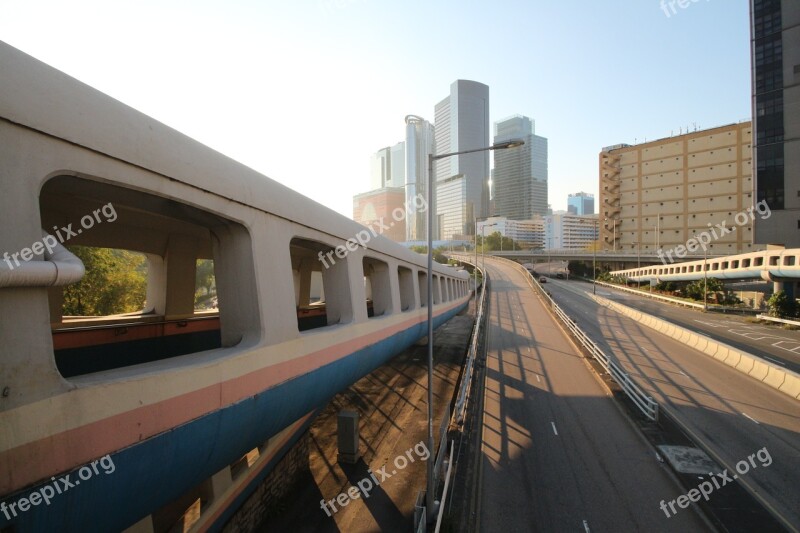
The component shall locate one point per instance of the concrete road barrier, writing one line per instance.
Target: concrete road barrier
(779, 378)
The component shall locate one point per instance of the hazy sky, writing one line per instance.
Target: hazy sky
(305, 91)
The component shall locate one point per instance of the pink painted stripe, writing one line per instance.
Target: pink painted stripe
(60, 452)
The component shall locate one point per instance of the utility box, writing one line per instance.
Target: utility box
(348, 437)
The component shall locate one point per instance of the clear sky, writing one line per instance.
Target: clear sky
(305, 91)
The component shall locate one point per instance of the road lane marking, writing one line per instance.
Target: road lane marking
(774, 360)
(554, 427)
(586, 526)
(751, 418)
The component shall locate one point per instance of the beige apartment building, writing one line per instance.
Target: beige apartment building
(658, 195)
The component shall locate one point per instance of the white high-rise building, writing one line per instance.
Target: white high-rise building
(388, 167)
(563, 231)
(462, 123)
(419, 143)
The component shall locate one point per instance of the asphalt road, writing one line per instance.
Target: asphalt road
(731, 413)
(770, 342)
(558, 453)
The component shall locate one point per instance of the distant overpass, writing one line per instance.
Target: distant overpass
(584, 255)
(778, 266)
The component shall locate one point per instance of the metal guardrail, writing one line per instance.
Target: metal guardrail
(456, 413)
(444, 491)
(650, 295)
(643, 402)
(437, 467)
(420, 516)
(678, 301)
(780, 320)
(463, 393)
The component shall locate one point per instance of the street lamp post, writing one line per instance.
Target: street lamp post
(429, 502)
(594, 254)
(705, 279)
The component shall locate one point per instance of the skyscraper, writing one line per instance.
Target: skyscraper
(419, 143)
(581, 203)
(519, 178)
(776, 118)
(462, 123)
(388, 167)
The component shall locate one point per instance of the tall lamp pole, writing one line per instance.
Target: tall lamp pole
(705, 279)
(429, 502)
(594, 254)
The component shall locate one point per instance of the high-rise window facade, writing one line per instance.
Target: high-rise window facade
(462, 123)
(775, 34)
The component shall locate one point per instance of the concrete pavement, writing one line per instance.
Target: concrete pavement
(726, 411)
(557, 453)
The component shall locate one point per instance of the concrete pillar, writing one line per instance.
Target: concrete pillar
(181, 261)
(55, 299)
(156, 299)
(306, 266)
(221, 481)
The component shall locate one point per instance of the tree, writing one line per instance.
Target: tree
(438, 253)
(496, 241)
(694, 290)
(115, 282)
(205, 282)
(780, 305)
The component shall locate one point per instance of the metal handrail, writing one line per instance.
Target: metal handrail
(646, 404)
(456, 413)
(463, 394)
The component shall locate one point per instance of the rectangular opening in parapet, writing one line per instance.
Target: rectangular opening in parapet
(378, 287)
(321, 284)
(162, 278)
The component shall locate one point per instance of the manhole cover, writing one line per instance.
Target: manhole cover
(688, 460)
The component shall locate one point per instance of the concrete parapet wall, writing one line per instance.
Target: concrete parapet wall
(781, 379)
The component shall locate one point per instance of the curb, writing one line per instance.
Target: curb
(778, 378)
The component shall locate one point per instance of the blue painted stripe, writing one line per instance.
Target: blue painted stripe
(158, 470)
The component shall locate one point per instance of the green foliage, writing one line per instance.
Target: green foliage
(608, 278)
(582, 269)
(438, 253)
(781, 306)
(115, 282)
(694, 290)
(496, 242)
(205, 283)
(666, 286)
